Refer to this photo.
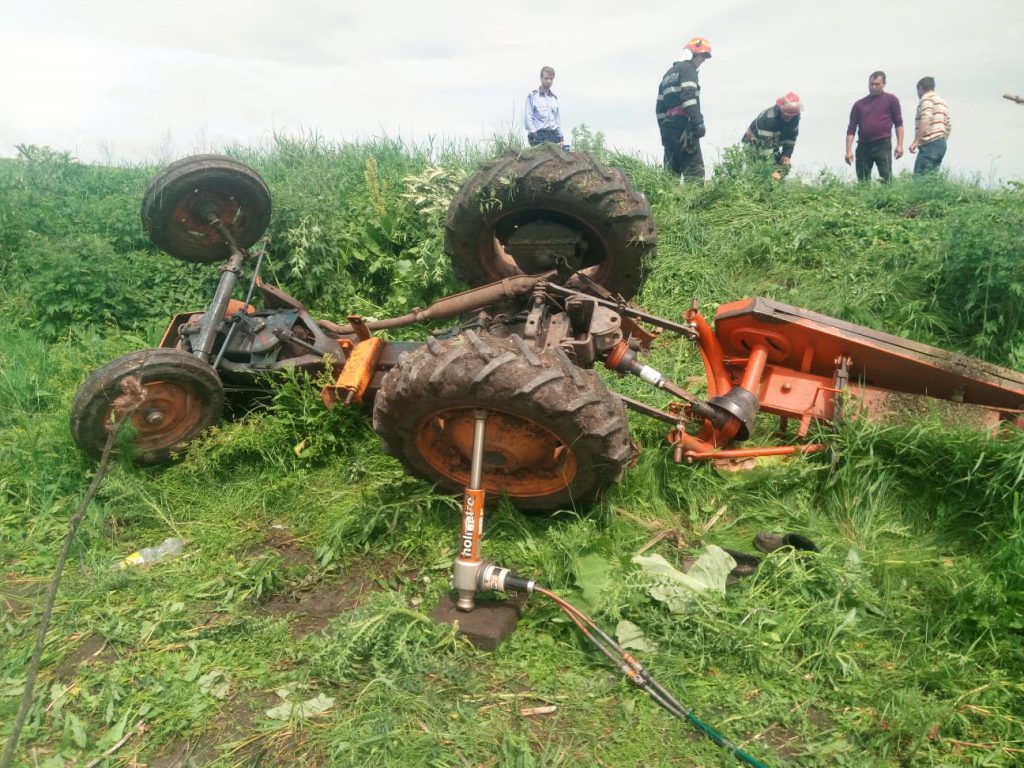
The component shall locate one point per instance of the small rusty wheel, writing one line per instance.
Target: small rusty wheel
(184, 397)
(524, 211)
(555, 436)
(178, 203)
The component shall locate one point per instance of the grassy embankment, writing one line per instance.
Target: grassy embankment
(310, 572)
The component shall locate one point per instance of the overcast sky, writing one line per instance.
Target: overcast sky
(124, 80)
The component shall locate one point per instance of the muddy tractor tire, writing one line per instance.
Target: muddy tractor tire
(555, 436)
(178, 202)
(523, 210)
(183, 397)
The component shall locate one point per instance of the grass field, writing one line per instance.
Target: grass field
(294, 629)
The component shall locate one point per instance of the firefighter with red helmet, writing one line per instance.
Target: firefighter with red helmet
(678, 111)
(774, 131)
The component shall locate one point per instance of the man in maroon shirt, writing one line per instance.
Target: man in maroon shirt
(873, 119)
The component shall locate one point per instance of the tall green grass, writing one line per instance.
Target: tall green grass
(899, 644)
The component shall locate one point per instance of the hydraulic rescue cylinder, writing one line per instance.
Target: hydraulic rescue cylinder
(468, 562)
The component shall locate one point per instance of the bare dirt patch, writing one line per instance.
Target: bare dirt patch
(235, 724)
(280, 540)
(311, 609)
(92, 650)
(20, 597)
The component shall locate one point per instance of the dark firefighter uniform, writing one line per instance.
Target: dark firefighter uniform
(680, 120)
(771, 133)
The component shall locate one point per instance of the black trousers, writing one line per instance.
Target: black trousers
(543, 136)
(871, 153)
(682, 153)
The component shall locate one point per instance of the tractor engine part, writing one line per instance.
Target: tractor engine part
(586, 330)
(357, 374)
(460, 303)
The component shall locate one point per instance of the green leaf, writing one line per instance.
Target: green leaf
(288, 709)
(215, 683)
(113, 734)
(677, 589)
(592, 577)
(630, 635)
(77, 730)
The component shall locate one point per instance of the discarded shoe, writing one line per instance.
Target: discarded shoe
(745, 564)
(769, 542)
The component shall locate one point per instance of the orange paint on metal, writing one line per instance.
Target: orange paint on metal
(879, 359)
(788, 393)
(171, 335)
(167, 416)
(711, 351)
(753, 453)
(356, 375)
(521, 456)
(234, 305)
(472, 524)
(755, 368)
(615, 356)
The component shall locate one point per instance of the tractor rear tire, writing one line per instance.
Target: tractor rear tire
(556, 437)
(184, 397)
(521, 210)
(176, 201)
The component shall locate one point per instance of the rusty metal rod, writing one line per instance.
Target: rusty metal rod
(451, 306)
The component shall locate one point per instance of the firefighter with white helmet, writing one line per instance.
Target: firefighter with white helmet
(774, 131)
(680, 120)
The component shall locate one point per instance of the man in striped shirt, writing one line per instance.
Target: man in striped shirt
(931, 128)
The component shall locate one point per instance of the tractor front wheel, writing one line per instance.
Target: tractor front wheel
(178, 204)
(555, 437)
(184, 396)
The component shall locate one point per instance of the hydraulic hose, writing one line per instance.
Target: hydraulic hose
(501, 579)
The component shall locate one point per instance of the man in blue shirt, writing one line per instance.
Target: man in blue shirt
(543, 121)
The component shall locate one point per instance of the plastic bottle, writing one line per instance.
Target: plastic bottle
(147, 556)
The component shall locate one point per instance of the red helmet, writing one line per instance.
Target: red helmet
(789, 104)
(699, 45)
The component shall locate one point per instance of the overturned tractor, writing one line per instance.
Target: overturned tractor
(554, 245)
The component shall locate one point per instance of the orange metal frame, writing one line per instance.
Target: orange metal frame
(801, 365)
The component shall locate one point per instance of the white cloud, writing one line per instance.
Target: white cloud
(116, 78)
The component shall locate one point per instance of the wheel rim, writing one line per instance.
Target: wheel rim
(191, 216)
(522, 458)
(527, 242)
(169, 416)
